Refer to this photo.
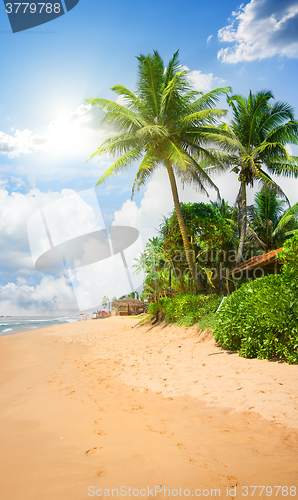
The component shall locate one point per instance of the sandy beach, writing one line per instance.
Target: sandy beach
(102, 407)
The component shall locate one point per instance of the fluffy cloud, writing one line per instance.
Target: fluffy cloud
(27, 289)
(262, 28)
(22, 142)
(49, 219)
(24, 291)
(202, 81)
(51, 296)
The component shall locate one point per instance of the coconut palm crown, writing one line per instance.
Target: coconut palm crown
(269, 223)
(166, 123)
(255, 146)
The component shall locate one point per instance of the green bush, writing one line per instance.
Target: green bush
(261, 319)
(289, 256)
(185, 309)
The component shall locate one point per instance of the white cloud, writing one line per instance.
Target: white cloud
(209, 38)
(22, 142)
(202, 81)
(16, 208)
(68, 215)
(52, 295)
(261, 29)
(29, 292)
(121, 100)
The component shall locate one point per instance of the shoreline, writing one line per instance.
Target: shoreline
(74, 415)
(19, 324)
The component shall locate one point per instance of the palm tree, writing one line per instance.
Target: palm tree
(256, 140)
(164, 123)
(270, 223)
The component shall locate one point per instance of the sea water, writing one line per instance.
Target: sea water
(13, 324)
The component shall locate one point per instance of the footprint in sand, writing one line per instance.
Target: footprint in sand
(101, 473)
(92, 450)
(232, 481)
(181, 446)
(101, 433)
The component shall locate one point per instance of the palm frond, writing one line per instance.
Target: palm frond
(117, 115)
(146, 169)
(252, 235)
(201, 117)
(266, 180)
(209, 100)
(285, 168)
(196, 174)
(177, 156)
(123, 162)
(118, 144)
(150, 82)
(290, 215)
(130, 98)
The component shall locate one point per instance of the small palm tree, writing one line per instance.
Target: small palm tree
(254, 142)
(140, 264)
(165, 123)
(269, 222)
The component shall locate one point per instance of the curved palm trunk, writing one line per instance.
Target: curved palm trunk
(186, 244)
(243, 221)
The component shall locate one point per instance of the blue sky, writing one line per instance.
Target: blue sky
(47, 131)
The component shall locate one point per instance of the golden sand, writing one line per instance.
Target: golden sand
(95, 406)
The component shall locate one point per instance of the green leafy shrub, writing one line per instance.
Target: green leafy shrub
(261, 319)
(289, 257)
(185, 309)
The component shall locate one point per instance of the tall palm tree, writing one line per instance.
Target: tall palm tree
(255, 146)
(269, 222)
(164, 123)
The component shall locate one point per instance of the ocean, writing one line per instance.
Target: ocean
(14, 324)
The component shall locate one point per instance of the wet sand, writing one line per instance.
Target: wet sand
(91, 407)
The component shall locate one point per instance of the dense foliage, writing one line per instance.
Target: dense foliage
(289, 257)
(270, 223)
(261, 318)
(256, 146)
(185, 309)
(205, 226)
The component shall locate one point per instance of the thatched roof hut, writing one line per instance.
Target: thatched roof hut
(129, 306)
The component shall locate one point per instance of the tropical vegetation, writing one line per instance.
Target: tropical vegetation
(255, 147)
(269, 222)
(166, 123)
(261, 318)
(186, 309)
